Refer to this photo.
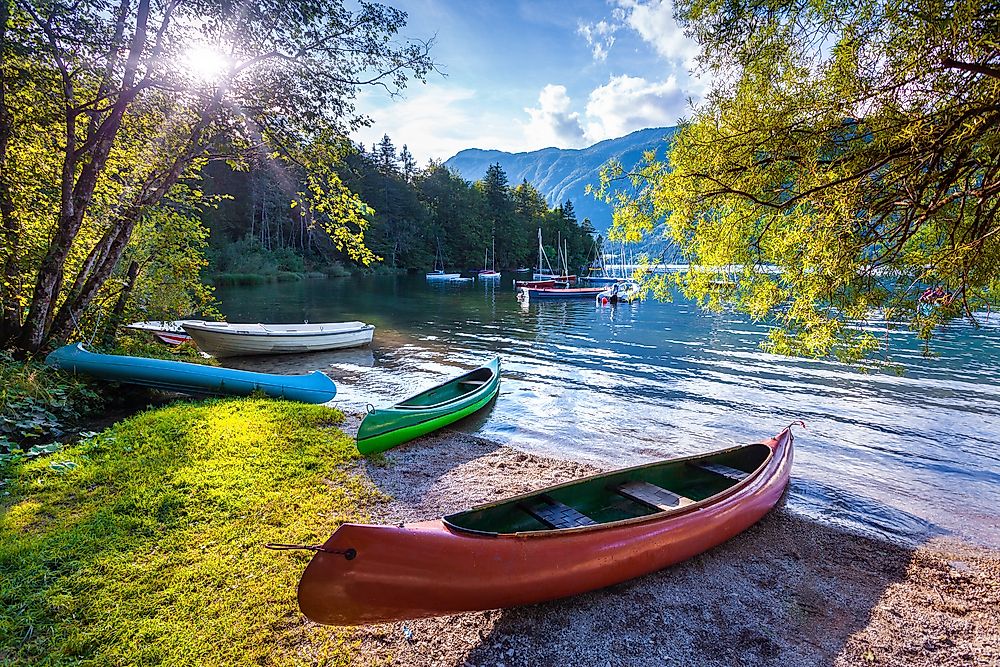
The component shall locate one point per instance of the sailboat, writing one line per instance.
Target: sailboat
(561, 292)
(599, 274)
(439, 274)
(539, 279)
(490, 273)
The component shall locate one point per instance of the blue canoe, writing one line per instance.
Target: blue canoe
(192, 378)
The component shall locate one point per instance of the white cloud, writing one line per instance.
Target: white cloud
(552, 123)
(627, 103)
(436, 121)
(600, 37)
(653, 20)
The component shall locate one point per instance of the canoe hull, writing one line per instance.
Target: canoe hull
(221, 343)
(429, 569)
(192, 378)
(409, 424)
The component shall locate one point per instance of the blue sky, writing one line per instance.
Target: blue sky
(521, 75)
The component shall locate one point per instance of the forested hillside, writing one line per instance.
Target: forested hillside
(564, 174)
(414, 211)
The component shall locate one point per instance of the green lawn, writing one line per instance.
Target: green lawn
(144, 545)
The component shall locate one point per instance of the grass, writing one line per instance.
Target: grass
(144, 544)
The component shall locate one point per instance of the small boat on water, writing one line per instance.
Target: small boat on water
(621, 292)
(559, 541)
(544, 272)
(188, 378)
(431, 409)
(561, 293)
(169, 332)
(489, 272)
(439, 273)
(223, 339)
(518, 284)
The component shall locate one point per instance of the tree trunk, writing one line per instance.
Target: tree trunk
(77, 195)
(115, 320)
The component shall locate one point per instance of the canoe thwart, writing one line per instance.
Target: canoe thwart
(652, 495)
(556, 515)
(725, 471)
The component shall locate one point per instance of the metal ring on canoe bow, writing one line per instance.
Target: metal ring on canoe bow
(349, 554)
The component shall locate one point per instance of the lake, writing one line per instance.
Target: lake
(905, 457)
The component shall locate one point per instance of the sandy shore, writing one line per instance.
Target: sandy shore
(787, 592)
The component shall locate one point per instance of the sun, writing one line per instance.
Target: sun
(205, 62)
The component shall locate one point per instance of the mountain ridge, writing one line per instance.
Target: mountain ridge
(562, 174)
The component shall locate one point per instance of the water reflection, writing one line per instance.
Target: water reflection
(630, 383)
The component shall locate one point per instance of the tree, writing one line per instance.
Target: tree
(140, 96)
(846, 160)
(408, 166)
(510, 244)
(384, 154)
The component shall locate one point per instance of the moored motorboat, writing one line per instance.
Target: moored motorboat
(430, 409)
(562, 293)
(621, 292)
(188, 378)
(559, 541)
(224, 339)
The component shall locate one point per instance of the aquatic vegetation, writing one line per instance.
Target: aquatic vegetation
(37, 403)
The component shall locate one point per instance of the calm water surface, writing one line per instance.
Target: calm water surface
(905, 457)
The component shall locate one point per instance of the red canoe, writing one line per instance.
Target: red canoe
(560, 541)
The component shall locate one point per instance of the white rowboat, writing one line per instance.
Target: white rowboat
(441, 275)
(222, 339)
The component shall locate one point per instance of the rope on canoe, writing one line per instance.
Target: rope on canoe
(349, 554)
(797, 422)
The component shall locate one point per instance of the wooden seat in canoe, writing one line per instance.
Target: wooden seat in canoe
(472, 383)
(654, 496)
(556, 515)
(724, 471)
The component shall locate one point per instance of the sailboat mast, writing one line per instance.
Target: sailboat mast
(539, 250)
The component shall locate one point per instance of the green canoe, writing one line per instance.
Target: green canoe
(429, 410)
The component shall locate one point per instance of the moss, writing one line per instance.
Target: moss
(144, 544)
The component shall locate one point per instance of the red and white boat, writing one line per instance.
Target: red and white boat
(169, 332)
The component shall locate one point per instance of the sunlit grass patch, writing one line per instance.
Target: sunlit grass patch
(144, 545)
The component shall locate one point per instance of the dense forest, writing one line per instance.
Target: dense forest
(413, 212)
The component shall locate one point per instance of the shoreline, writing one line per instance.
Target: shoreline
(789, 591)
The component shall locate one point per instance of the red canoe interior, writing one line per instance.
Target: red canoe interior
(671, 486)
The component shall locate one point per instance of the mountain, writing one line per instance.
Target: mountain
(561, 174)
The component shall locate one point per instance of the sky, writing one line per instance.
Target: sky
(520, 75)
